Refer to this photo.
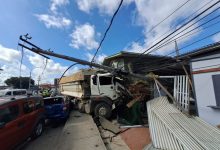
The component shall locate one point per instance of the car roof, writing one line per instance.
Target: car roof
(10, 99)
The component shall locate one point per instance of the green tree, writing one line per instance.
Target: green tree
(15, 82)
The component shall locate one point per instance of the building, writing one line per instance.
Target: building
(205, 70)
(134, 63)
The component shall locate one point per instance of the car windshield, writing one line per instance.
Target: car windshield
(51, 101)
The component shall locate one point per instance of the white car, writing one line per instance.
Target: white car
(13, 92)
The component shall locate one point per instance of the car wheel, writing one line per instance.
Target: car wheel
(38, 130)
(103, 109)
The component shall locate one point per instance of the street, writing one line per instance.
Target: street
(48, 140)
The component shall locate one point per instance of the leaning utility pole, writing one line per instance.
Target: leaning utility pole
(115, 71)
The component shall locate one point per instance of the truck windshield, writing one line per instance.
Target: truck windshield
(105, 80)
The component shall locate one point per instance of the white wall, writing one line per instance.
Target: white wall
(204, 89)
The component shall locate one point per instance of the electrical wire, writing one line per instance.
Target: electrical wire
(44, 67)
(155, 26)
(153, 69)
(191, 26)
(188, 18)
(179, 28)
(183, 35)
(112, 19)
(67, 70)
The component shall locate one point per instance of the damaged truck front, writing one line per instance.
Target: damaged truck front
(93, 92)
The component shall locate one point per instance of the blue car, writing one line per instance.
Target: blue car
(56, 108)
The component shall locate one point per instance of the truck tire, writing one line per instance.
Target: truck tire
(103, 109)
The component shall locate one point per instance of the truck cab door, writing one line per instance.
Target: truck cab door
(106, 86)
(94, 86)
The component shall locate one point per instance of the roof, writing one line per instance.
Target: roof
(7, 99)
(142, 65)
(203, 51)
(123, 54)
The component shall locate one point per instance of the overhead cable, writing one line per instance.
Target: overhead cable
(112, 19)
(180, 27)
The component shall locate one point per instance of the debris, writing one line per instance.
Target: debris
(135, 126)
(107, 125)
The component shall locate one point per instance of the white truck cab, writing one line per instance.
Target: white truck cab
(103, 85)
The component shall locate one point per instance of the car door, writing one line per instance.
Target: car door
(29, 116)
(10, 130)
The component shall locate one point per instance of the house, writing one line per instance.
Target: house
(205, 70)
(134, 63)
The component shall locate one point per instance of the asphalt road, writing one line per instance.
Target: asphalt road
(48, 140)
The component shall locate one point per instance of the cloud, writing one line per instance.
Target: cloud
(52, 70)
(104, 6)
(98, 59)
(161, 9)
(216, 38)
(107, 7)
(84, 36)
(53, 21)
(10, 63)
(57, 3)
(8, 54)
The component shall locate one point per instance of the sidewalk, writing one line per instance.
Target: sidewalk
(80, 133)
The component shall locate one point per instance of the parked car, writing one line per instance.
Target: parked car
(13, 92)
(20, 117)
(56, 108)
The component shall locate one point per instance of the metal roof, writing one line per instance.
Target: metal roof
(206, 50)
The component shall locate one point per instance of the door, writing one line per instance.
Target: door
(10, 129)
(106, 86)
(29, 117)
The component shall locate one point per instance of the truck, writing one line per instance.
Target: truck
(93, 91)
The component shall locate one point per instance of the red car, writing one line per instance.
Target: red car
(20, 118)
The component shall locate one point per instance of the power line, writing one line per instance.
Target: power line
(155, 26)
(112, 19)
(191, 26)
(153, 68)
(180, 27)
(67, 70)
(183, 35)
(187, 18)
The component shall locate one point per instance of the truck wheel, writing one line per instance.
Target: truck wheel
(103, 109)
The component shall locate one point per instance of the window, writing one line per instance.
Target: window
(105, 80)
(19, 92)
(8, 93)
(51, 101)
(8, 114)
(28, 107)
(94, 80)
(39, 104)
(216, 84)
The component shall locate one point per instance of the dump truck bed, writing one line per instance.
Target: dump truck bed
(78, 84)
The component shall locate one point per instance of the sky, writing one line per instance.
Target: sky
(75, 28)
